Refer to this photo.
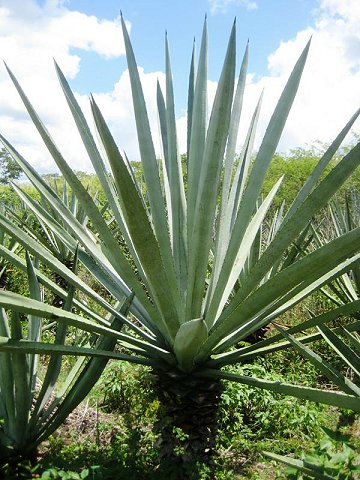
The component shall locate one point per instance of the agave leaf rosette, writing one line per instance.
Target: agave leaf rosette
(201, 280)
(35, 398)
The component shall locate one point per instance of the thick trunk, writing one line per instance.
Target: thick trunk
(188, 425)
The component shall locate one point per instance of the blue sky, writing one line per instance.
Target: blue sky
(85, 38)
(265, 26)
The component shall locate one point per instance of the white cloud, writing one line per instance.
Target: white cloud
(30, 37)
(347, 9)
(222, 6)
(329, 91)
(117, 109)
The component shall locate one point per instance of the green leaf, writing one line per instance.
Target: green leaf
(327, 397)
(324, 367)
(353, 338)
(301, 273)
(44, 348)
(262, 162)
(22, 383)
(300, 465)
(114, 253)
(198, 132)
(201, 235)
(148, 158)
(163, 290)
(226, 204)
(176, 183)
(7, 398)
(289, 230)
(40, 252)
(48, 283)
(191, 93)
(272, 344)
(344, 352)
(18, 303)
(222, 291)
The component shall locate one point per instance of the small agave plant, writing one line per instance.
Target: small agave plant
(200, 278)
(33, 404)
(37, 229)
(343, 218)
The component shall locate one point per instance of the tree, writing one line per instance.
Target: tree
(9, 168)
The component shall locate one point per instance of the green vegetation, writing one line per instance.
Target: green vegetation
(333, 458)
(297, 165)
(191, 275)
(9, 168)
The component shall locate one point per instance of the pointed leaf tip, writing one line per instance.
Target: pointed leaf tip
(57, 67)
(123, 22)
(7, 68)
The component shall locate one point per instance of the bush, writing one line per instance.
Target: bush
(264, 414)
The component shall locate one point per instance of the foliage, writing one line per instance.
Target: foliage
(333, 458)
(122, 445)
(296, 166)
(9, 168)
(126, 388)
(58, 474)
(257, 410)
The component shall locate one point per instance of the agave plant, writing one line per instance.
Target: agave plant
(343, 218)
(37, 229)
(33, 402)
(201, 280)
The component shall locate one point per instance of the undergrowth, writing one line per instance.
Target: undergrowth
(115, 433)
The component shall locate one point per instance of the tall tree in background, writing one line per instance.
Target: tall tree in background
(9, 169)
